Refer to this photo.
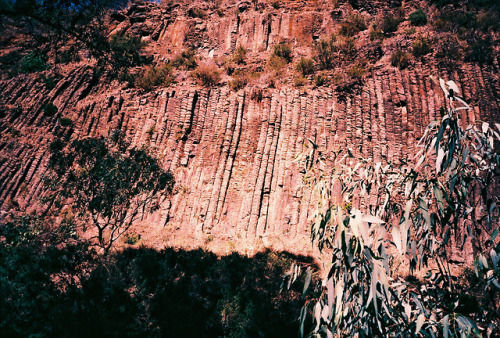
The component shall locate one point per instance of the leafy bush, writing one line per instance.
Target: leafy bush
(9, 62)
(320, 80)
(49, 109)
(421, 220)
(299, 80)
(66, 121)
(125, 51)
(33, 62)
(376, 34)
(132, 239)
(108, 184)
(70, 291)
(418, 17)
(185, 60)
(420, 47)
(284, 51)
(277, 63)
(305, 66)
(480, 50)
(239, 82)
(357, 72)
(207, 75)
(488, 20)
(239, 55)
(352, 25)
(333, 49)
(400, 59)
(390, 24)
(154, 76)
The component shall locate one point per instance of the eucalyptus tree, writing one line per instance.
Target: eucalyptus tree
(107, 183)
(378, 219)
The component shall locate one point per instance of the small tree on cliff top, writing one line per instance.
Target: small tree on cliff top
(371, 215)
(106, 184)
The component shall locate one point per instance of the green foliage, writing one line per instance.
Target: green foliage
(33, 62)
(320, 80)
(69, 291)
(50, 109)
(305, 66)
(48, 81)
(479, 50)
(449, 51)
(66, 122)
(352, 25)
(108, 186)
(132, 239)
(125, 51)
(154, 76)
(299, 80)
(390, 24)
(418, 17)
(357, 72)
(9, 63)
(420, 47)
(283, 51)
(400, 59)
(207, 75)
(334, 50)
(185, 60)
(416, 212)
(239, 82)
(82, 20)
(35, 231)
(239, 55)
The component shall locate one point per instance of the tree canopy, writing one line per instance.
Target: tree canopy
(107, 184)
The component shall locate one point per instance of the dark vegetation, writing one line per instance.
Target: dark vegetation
(108, 184)
(74, 26)
(70, 291)
(418, 17)
(207, 75)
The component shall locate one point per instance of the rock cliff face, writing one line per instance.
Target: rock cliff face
(232, 153)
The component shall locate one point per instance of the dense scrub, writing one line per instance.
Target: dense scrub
(72, 292)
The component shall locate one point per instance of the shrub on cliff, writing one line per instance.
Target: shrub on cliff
(33, 62)
(418, 17)
(196, 12)
(352, 25)
(239, 82)
(154, 76)
(125, 51)
(334, 50)
(66, 121)
(420, 47)
(390, 24)
(239, 55)
(305, 66)
(207, 75)
(185, 60)
(284, 51)
(400, 59)
(50, 109)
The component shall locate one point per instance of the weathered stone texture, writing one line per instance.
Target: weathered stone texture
(233, 157)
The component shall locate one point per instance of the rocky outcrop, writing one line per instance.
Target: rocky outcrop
(233, 156)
